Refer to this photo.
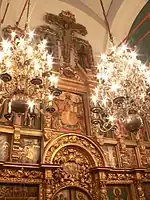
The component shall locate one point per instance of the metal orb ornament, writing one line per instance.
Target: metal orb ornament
(133, 122)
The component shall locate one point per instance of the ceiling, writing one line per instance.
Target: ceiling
(94, 10)
(87, 12)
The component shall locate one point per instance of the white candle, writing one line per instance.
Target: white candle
(9, 107)
(31, 108)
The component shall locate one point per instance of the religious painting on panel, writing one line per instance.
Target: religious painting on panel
(118, 192)
(131, 158)
(5, 141)
(29, 150)
(18, 192)
(110, 155)
(69, 113)
(148, 157)
(146, 188)
(84, 53)
(71, 194)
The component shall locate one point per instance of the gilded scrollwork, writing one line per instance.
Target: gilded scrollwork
(75, 154)
(142, 148)
(74, 169)
(103, 191)
(116, 176)
(120, 136)
(74, 140)
(140, 191)
(15, 173)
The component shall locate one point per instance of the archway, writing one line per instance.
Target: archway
(75, 154)
(91, 149)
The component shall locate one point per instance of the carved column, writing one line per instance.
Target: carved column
(142, 149)
(102, 194)
(139, 187)
(48, 181)
(16, 143)
(119, 133)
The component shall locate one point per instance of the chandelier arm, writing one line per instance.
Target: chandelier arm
(107, 23)
(106, 130)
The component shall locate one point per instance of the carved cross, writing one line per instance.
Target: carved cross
(66, 27)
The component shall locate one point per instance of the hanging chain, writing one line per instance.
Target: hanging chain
(107, 23)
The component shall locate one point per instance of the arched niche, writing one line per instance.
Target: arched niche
(75, 154)
(80, 142)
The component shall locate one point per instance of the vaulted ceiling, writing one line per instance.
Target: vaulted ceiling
(93, 8)
(120, 13)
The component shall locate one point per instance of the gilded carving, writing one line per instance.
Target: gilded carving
(119, 134)
(15, 173)
(116, 176)
(74, 169)
(142, 148)
(74, 140)
(103, 191)
(140, 191)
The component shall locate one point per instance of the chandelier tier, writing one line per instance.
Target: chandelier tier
(26, 75)
(123, 91)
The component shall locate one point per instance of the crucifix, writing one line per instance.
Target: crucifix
(66, 27)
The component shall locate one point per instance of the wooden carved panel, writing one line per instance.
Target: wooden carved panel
(69, 113)
(131, 157)
(75, 167)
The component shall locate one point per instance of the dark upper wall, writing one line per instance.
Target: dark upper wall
(141, 37)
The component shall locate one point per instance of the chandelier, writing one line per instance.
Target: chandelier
(123, 90)
(27, 79)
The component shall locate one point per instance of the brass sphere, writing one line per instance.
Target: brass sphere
(133, 122)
